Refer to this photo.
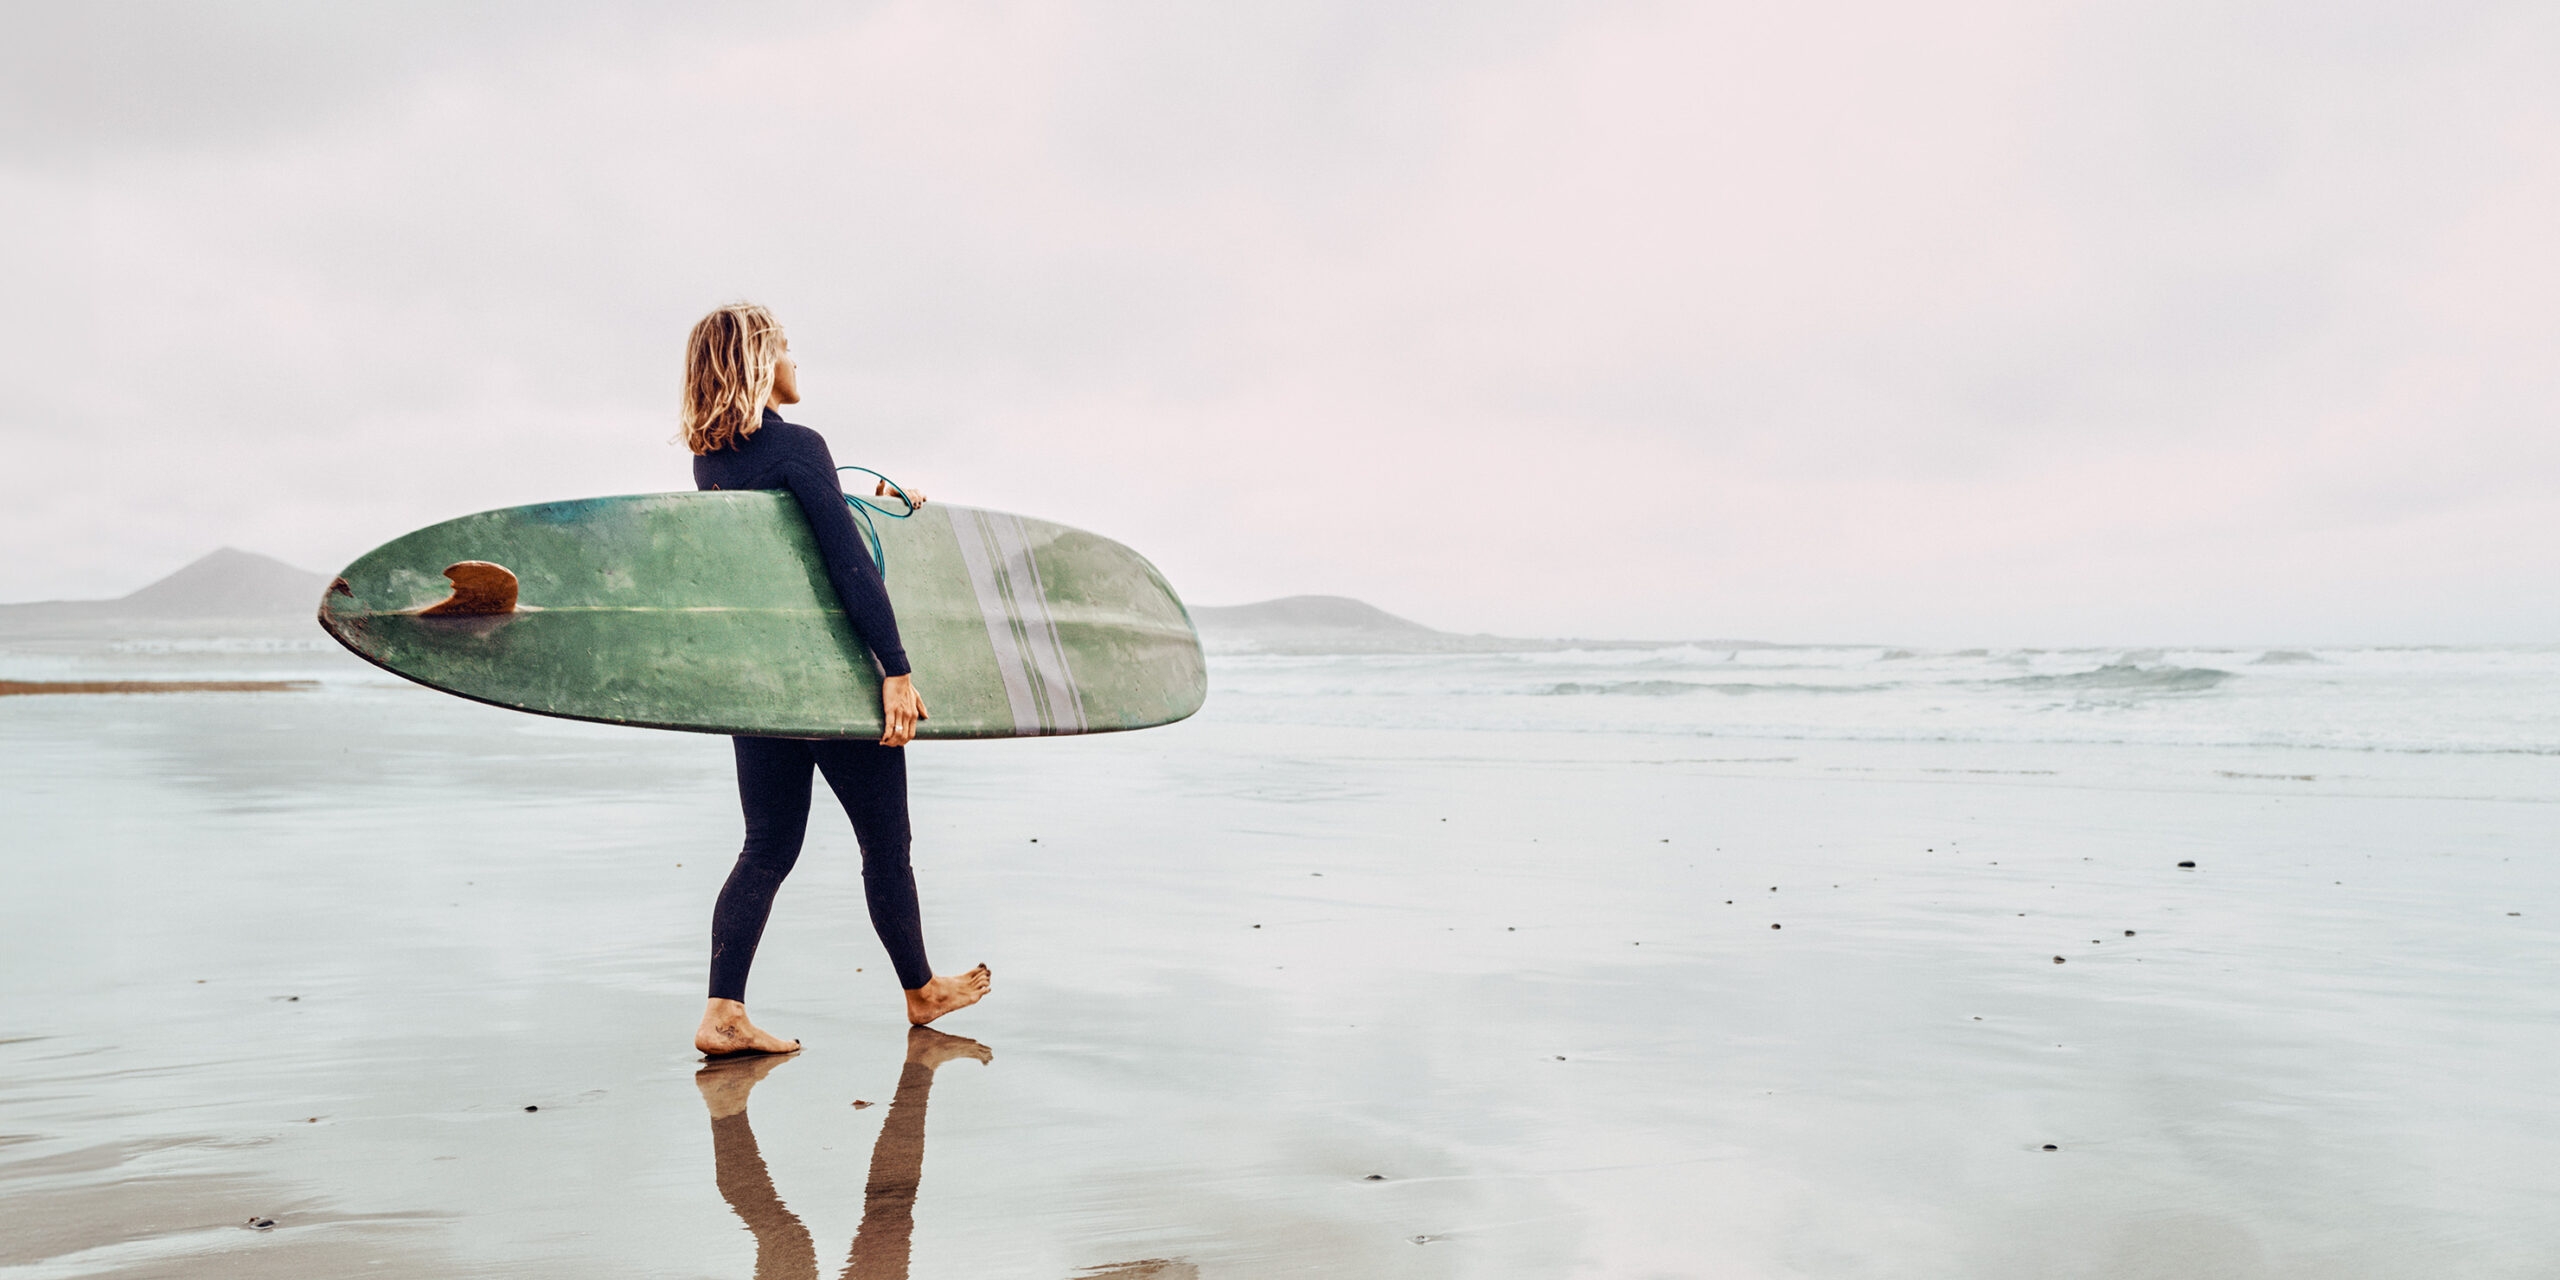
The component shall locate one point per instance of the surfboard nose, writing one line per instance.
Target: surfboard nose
(480, 589)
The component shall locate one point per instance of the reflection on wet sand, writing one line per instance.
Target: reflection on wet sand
(784, 1249)
(783, 1246)
(881, 1245)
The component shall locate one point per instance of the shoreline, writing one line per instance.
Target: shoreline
(36, 688)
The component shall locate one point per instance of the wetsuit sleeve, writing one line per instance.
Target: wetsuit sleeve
(811, 478)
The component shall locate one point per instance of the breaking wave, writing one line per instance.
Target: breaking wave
(2125, 677)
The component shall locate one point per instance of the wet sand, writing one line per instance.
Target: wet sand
(1271, 999)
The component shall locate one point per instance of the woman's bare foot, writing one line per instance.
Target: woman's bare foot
(929, 1048)
(725, 1031)
(942, 995)
(725, 1085)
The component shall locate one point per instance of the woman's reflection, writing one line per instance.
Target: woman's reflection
(784, 1250)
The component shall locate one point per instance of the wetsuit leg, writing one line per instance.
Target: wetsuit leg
(871, 781)
(773, 788)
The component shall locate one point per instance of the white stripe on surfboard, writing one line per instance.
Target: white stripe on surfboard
(1064, 704)
(969, 530)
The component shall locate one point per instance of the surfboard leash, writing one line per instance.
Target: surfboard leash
(862, 510)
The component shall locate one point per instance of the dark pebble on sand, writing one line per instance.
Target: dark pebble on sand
(1559, 1057)
(2189, 865)
(859, 1104)
(1375, 1177)
(2128, 933)
(1773, 926)
(2057, 959)
(261, 1224)
(2515, 913)
(1257, 926)
(533, 1108)
(2050, 1147)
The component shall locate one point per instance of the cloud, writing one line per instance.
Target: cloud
(1996, 322)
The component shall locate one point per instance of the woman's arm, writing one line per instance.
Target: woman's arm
(813, 484)
(859, 588)
(811, 478)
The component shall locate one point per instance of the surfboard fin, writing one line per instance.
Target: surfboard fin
(480, 589)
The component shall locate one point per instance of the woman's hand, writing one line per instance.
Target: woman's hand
(901, 707)
(914, 497)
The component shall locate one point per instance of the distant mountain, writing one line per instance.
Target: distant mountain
(229, 585)
(1340, 624)
(1310, 613)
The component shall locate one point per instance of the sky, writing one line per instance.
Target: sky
(1968, 323)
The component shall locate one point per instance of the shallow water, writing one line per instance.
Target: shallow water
(308, 957)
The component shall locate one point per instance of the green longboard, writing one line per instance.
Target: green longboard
(711, 612)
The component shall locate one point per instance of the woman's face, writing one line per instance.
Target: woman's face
(786, 377)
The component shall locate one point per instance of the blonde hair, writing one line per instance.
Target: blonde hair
(728, 375)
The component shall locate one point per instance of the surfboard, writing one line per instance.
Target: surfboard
(711, 612)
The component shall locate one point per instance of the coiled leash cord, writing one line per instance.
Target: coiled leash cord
(862, 510)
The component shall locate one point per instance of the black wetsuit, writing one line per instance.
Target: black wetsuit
(870, 780)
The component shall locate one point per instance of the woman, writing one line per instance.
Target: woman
(738, 370)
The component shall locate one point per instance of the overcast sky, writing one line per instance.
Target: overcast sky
(1957, 323)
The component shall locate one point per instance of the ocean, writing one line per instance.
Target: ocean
(2394, 701)
(1616, 961)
